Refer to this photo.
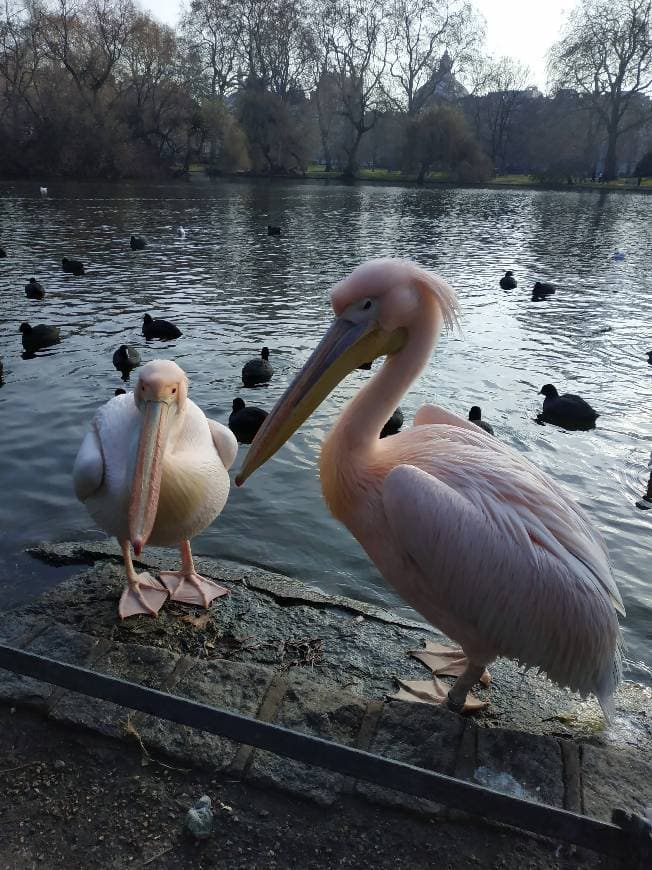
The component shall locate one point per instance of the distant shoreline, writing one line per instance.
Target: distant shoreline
(377, 177)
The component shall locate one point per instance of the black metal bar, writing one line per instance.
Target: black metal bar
(559, 825)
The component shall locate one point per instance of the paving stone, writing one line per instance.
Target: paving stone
(137, 664)
(614, 779)
(309, 708)
(56, 642)
(86, 602)
(419, 734)
(535, 762)
(227, 685)
(17, 628)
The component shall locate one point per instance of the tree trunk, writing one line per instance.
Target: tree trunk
(351, 168)
(612, 143)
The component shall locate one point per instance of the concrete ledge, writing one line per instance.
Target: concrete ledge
(275, 650)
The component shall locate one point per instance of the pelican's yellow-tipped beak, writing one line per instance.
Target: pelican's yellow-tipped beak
(146, 484)
(345, 346)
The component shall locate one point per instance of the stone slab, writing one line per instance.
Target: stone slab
(309, 708)
(228, 685)
(615, 779)
(419, 734)
(137, 664)
(533, 761)
(56, 642)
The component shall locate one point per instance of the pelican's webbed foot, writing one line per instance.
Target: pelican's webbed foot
(191, 588)
(445, 661)
(143, 594)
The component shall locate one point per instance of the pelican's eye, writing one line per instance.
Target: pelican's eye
(174, 389)
(366, 305)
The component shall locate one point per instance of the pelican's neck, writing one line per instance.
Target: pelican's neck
(361, 421)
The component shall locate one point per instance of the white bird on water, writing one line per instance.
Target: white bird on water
(487, 547)
(44, 191)
(153, 469)
(181, 233)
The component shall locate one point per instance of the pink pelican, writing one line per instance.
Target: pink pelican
(153, 469)
(488, 548)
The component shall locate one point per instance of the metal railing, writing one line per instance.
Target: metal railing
(628, 836)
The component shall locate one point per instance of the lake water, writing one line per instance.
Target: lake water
(232, 288)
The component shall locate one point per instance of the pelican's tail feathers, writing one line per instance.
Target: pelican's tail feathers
(608, 684)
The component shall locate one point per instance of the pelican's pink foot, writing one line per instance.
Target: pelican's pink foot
(435, 692)
(143, 594)
(191, 588)
(445, 661)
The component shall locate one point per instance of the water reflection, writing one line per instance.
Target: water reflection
(232, 289)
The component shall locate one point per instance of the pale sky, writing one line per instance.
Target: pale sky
(522, 29)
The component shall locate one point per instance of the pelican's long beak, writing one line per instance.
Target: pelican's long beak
(146, 485)
(345, 346)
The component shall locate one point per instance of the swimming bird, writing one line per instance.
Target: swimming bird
(44, 191)
(34, 290)
(393, 425)
(508, 281)
(126, 358)
(137, 243)
(76, 267)
(158, 328)
(475, 416)
(181, 233)
(476, 538)
(567, 410)
(153, 469)
(644, 503)
(258, 370)
(245, 421)
(3, 253)
(273, 231)
(541, 290)
(41, 335)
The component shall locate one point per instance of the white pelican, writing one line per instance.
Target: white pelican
(154, 469)
(488, 548)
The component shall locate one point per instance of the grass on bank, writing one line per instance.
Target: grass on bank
(318, 171)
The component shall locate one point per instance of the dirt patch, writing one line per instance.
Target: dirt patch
(72, 799)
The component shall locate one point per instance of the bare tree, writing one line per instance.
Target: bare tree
(277, 44)
(213, 30)
(606, 53)
(422, 33)
(88, 39)
(20, 54)
(356, 45)
(499, 90)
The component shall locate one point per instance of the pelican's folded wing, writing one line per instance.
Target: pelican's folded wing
(225, 443)
(515, 581)
(88, 471)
